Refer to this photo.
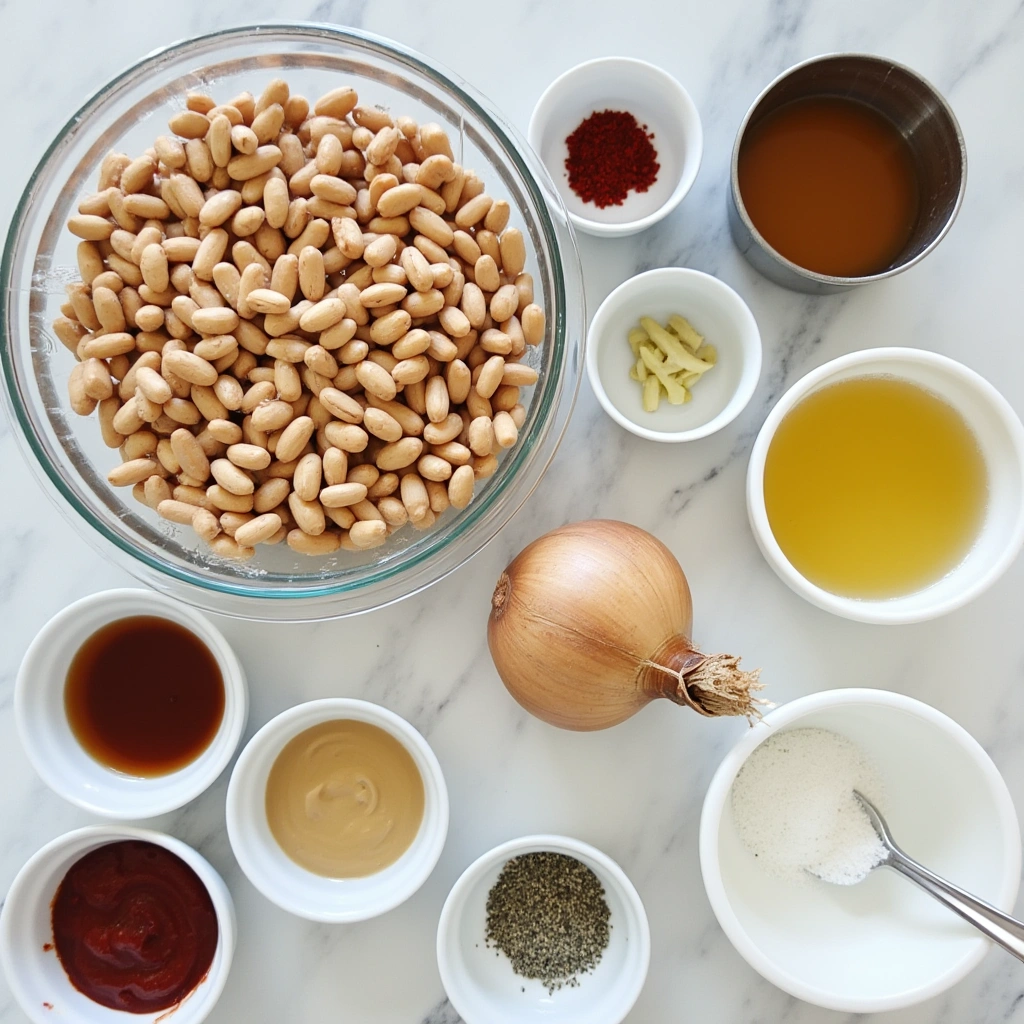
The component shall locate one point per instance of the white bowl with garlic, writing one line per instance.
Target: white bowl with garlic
(687, 329)
(879, 944)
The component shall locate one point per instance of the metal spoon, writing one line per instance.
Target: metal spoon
(999, 927)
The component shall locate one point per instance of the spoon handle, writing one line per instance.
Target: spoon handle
(999, 927)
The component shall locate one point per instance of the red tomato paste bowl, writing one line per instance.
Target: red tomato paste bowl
(37, 979)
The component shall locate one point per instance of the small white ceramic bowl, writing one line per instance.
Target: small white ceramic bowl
(655, 99)
(282, 880)
(37, 980)
(51, 745)
(482, 986)
(882, 944)
(714, 310)
(1000, 436)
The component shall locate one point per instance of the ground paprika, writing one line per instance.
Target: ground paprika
(610, 154)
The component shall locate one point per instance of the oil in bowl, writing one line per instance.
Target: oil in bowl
(874, 487)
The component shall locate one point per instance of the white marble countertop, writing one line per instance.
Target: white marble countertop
(635, 791)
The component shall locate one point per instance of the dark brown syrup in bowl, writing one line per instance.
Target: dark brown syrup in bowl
(144, 696)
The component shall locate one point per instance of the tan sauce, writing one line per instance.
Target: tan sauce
(344, 799)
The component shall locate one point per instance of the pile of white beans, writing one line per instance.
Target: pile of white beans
(299, 324)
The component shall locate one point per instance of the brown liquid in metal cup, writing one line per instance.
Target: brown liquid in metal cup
(831, 185)
(344, 799)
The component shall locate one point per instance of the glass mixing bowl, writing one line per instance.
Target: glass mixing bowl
(66, 450)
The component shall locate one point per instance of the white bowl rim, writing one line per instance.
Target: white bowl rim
(236, 703)
(876, 611)
(531, 844)
(219, 893)
(745, 319)
(686, 180)
(330, 709)
(718, 793)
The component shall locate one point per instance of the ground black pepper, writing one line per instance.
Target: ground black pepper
(547, 913)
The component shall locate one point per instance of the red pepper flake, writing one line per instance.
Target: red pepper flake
(609, 155)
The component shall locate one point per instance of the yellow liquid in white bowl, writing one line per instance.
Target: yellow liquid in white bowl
(874, 487)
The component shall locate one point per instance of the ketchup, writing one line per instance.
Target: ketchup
(134, 927)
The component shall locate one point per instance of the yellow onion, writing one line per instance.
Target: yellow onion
(592, 621)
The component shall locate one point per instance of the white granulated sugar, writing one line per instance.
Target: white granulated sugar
(794, 807)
